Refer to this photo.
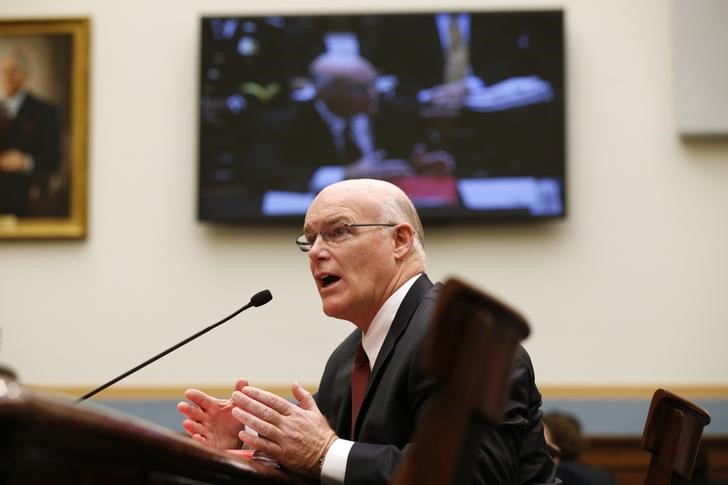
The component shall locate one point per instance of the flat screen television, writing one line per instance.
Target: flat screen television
(463, 110)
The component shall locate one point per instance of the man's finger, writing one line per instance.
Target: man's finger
(262, 427)
(190, 410)
(256, 408)
(240, 383)
(244, 454)
(270, 400)
(192, 427)
(204, 401)
(261, 444)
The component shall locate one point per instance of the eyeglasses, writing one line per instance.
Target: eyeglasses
(333, 233)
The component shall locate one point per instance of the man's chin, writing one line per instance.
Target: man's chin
(330, 312)
(333, 309)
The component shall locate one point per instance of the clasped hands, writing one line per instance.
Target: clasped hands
(14, 161)
(296, 436)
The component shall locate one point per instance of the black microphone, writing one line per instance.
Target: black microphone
(259, 299)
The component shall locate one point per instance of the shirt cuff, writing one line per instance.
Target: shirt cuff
(29, 164)
(333, 470)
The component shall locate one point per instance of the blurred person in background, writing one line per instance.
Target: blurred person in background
(565, 439)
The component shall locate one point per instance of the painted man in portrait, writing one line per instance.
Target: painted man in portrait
(29, 140)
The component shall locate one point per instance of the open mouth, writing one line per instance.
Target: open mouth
(328, 280)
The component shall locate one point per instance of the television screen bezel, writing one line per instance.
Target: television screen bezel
(429, 215)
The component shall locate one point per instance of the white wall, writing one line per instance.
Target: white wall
(631, 288)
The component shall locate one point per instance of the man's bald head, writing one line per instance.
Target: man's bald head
(13, 71)
(365, 242)
(379, 197)
(341, 66)
(345, 82)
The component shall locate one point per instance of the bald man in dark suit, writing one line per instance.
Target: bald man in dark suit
(345, 125)
(364, 242)
(29, 138)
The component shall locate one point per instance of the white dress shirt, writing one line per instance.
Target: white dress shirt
(333, 470)
(361, 130)
(12, 105)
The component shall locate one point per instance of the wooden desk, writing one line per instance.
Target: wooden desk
(46, 439)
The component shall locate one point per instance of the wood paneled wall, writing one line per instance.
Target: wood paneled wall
(628, 461)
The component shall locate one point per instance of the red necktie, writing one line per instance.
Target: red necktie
(359, 379)
(4, 118)
(352, 152)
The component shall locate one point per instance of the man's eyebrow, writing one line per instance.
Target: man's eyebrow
(326, 222)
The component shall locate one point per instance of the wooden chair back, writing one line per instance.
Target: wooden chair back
(672, 435)
(470, 350)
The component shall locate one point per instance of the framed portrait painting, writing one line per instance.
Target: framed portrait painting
(43, 128)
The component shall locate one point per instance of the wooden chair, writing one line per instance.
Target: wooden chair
(470, 349)
(672, 435)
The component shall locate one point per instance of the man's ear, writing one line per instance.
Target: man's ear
(404, 238)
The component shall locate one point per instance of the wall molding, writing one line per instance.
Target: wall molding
(633, 392)
(548, 391)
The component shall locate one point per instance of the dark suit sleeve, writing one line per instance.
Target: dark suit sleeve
(515, 452)
(47, 153)
(291, 143)
(39, 136)
(372, 464)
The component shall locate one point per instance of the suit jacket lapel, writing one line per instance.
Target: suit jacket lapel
(399, 324)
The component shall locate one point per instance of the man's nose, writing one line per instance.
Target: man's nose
(316, 247)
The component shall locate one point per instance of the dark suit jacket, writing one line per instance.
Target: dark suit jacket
(295, 141)
(502, 45)
(34, 131)
(514, 453)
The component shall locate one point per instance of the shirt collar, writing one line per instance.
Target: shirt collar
(443, 27)
(336, 123)
(373, 339)
(12, 104)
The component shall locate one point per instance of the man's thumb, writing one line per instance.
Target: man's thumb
(304, 397)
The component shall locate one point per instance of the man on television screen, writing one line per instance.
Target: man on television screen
(346, 131)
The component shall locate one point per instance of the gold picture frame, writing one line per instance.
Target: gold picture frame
(43, 128)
